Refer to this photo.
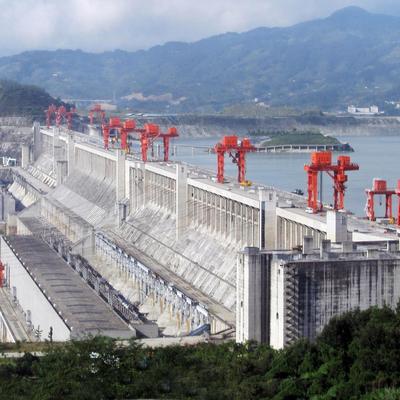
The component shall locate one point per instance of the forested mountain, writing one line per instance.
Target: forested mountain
(350, 57)
(23, 100)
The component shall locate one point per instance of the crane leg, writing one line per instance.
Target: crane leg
(166, 148)
(241, 167)
(312, 189)
(389, 210)
(221, 161)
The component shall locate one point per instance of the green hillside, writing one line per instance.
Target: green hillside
(351, 57)
(23, 100)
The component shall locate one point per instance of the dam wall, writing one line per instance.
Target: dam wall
(174, 219)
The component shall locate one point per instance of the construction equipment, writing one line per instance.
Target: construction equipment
(148, 134)
(170, 134)
(50, 112)
(379, 187)
(117, 129)
(62, 115)
(397, 191)
(322, 162)
(69, 116)
(97, 110)
(237, 150)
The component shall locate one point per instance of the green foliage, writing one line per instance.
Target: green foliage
(357, 356)
(23, 100)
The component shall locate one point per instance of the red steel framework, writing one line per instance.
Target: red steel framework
(397, 191)
(237, 150)
(121, 129)
(69, 116)
(97, 110)
(170, 134)
(322, 162)
(147, 135)
(61, 114)
(379, 187)
(50, 112)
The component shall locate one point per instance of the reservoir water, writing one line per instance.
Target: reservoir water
(377, 156)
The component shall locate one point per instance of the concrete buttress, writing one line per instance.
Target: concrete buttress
(70, 153)
(25, 156)
(181, 199)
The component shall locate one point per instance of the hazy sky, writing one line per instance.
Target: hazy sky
(97, 25)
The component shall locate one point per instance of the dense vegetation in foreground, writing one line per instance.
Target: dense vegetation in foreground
(356, 357)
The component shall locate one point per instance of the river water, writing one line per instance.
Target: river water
(377, 156)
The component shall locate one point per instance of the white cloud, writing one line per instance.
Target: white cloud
(97, 25)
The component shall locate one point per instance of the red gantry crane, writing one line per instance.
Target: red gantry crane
(63, 115)
(97, 110)
(117, 128)
(322, 162)
(379, 187)
(69, 116)
(237, 150)
(147, 135)
(60, 115)
(170, 134)
(50, 112)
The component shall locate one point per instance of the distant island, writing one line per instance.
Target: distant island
(298, 141)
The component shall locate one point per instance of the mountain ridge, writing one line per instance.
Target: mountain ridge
(24, 100)
(351, 56)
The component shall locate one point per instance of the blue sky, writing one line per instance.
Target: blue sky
(98, 25)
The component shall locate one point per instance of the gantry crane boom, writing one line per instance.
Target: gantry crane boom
(101, 114)
(379, 187)
(322, 162)
(170, 134)
(50, 112)
(147, 135)
(237, 151)
(122, 129)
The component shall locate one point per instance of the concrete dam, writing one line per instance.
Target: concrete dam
(173, 253)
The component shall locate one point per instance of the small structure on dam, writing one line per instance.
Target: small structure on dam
(160, 241)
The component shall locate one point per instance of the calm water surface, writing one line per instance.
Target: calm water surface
(376, 156)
